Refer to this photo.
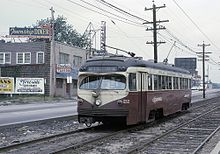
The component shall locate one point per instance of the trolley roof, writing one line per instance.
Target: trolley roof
(121, 63)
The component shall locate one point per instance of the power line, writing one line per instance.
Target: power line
(169, 40)
(179, 41)
(128, 37)
(195, 24)
(120, 10)
(109, 12)
(130, 15)
(137, 24)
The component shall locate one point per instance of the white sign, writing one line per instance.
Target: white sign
(64, 68)
(29, 86)
(157, 99)
(69, 79)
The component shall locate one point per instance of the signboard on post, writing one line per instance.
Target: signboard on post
(29, 86)
(63, 68)
(6, 85)
(19, 32)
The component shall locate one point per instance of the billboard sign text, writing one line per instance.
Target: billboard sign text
(29, 32)
(29, 85)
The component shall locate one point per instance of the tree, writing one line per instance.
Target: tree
(64, 32)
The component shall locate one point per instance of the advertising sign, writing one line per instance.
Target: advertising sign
(6, 85)
(64, 68)
(29, 86)
(29, 32)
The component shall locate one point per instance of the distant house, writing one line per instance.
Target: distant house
(34, 60)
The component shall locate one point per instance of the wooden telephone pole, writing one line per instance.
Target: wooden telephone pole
(203, 64)
(52, 57)
(155, 28)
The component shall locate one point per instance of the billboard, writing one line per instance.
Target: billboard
(186, 63)
(29, 32)
(6, 85)
(29, 86)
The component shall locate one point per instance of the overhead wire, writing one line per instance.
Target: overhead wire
(121, 10)
(127, 36)
(171, 42)
(179, 41)
(129, 14)
(200, 30)
(109, 12)
(137, 24)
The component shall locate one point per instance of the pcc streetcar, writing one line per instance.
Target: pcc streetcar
(130, 90)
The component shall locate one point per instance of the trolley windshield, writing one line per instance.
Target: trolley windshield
(106, 82)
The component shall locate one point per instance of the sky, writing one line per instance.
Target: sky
(190, 23)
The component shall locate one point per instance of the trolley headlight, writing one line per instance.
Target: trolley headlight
(98, 102)
(80, 101)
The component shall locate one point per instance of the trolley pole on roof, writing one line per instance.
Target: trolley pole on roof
(155, 28)
(203, 64)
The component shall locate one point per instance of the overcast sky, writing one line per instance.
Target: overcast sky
(203, 24)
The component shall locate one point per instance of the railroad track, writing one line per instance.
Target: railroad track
(82, 139)
(136, 139)
(188, 137)
(27, 144)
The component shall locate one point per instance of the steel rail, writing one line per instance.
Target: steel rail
(206, 140)
(21, 144)
(142, 146)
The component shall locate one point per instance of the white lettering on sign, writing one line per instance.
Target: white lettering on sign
(186, 96)
(157, 99)
(126, 101)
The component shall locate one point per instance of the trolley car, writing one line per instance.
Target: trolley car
(130, 90)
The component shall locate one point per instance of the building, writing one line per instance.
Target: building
(189, 64)
(34, 60)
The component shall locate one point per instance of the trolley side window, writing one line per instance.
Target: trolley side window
(156, 82)
(190, 84)
(132, 82)
(150, 86)
(175, 83)
(183, 83)
(186, 85)
(169, 82)
(164, 82)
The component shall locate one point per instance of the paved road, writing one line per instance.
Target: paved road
(12, 114)
(198, 95)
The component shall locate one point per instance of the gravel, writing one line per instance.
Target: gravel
(29, 131)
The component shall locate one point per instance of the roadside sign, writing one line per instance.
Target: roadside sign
(29, 86)
(6, 85)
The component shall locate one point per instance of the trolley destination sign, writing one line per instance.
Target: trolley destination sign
(29, 32)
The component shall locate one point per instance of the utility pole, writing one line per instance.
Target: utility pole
(203, 63)
(155, 28)
(52, 57)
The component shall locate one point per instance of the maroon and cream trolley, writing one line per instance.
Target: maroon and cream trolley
(130, 90)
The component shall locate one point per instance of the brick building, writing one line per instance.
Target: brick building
(33, 60)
